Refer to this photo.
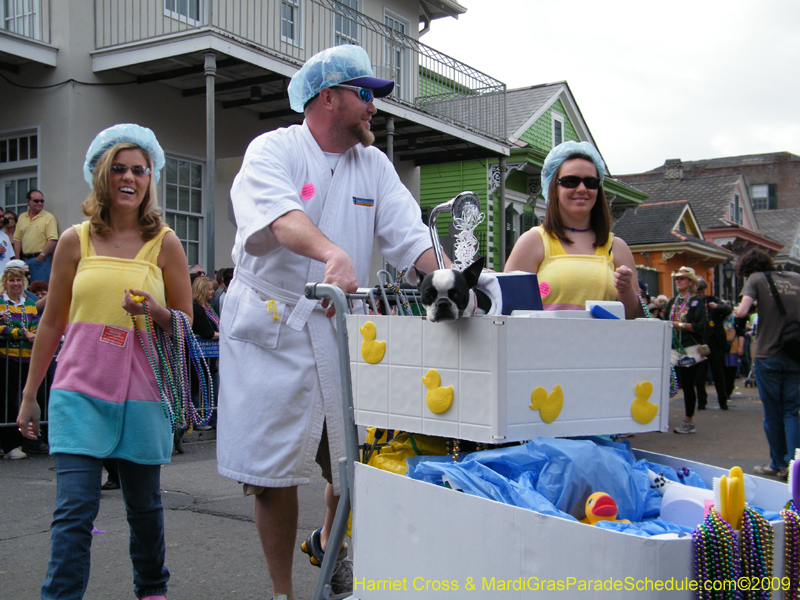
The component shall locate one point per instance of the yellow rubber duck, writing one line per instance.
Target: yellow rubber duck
(371, 350)
(601, 507)
(643, 411)
(439, 399)
(548, 405)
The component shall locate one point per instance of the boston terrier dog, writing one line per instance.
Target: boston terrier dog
(448, 294)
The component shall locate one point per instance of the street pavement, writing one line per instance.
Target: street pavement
(213, 551)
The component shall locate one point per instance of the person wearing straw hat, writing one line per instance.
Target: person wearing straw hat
(105, 401)
(310, 201)
(688, 317)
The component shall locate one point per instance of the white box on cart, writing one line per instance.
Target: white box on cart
(410, 535)
(494, 364)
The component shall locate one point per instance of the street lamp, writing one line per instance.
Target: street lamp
(727, 273)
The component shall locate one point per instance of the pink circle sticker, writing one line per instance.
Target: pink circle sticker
(308, 191)
(544, 289)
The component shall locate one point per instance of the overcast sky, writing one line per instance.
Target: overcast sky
(654, 80)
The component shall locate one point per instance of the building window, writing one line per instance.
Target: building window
(15, 188)
(183, 198)
(558, 128)
(763, 196)
(290, 21)
(395, 56)
(20, 17)
(736, 212)
(346, 22)
(19, 167)
(187, 11)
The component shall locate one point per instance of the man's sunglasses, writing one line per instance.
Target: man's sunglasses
(136, 170)
(35, 201)
(573, 181)
(365, 94)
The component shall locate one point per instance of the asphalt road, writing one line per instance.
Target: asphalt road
(212, 548)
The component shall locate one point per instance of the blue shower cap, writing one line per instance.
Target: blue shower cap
(340, 64)
(560, 153)
(123, 132)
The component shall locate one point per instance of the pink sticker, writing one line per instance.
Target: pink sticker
(308, 191)
(544, 289)
(708, 503)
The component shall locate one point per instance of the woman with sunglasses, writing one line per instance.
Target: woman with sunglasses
(574, 253)
(105, 402)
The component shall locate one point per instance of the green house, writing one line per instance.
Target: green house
(538, 118)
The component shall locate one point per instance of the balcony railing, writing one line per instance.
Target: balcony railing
(295, 30)
(26, 18)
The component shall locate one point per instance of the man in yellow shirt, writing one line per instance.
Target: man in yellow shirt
(36, 237)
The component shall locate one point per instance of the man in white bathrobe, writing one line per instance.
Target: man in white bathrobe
(310, 201)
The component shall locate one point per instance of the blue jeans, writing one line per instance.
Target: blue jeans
(77, 503)
(40, 269)
(778, 381)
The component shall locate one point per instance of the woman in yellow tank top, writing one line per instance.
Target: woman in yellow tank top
(105, 401)
(574, 254)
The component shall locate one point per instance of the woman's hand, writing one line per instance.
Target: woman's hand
(28, 418)
(623, 279)
(134, 306)
(30, 336)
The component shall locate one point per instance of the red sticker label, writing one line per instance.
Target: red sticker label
(308, 191)
(544, 289)
(116, 336)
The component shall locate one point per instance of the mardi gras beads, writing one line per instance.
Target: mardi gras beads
(791, 519)
(170, 357)
(715, 557)
(757, 540)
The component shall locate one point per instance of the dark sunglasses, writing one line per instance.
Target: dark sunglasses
(36, 201)
(573, 181)
(365, 94)
(136, 170)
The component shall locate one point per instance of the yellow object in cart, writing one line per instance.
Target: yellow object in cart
(404, 445)
(439, 399)
(371, 350)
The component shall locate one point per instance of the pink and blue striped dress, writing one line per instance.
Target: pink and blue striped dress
(105, 401)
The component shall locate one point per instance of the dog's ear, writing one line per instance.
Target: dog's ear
(420, 277)
(473, 272)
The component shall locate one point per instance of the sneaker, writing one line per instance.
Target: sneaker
(685, 427)
(110, 484)
(342, 578)
(767, 470)
(37, 447)
(15, 454)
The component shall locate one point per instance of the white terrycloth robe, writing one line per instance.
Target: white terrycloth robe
(279, 373)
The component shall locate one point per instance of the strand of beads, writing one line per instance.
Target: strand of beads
(757, 541)
(673, 377)
(715, 557)
(791, 556)
(396, 289)
(466, 244)
(170, 358)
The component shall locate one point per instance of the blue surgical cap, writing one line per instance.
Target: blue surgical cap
(340, 64)
(560, 153)
(124, 132)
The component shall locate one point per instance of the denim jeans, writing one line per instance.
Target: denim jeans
(40, 269)
(77, 503)
(778, 381)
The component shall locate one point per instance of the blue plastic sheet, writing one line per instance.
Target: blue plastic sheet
(555, 477)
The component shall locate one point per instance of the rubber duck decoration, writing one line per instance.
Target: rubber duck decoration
(439, 399)
(643, 411)
(601, 507)
(371, 350)
(548, 405)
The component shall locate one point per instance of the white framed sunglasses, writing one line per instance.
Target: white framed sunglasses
(365, 94)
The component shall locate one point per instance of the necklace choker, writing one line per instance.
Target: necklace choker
(579, 230)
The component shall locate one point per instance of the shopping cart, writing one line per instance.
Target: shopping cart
(386, 298)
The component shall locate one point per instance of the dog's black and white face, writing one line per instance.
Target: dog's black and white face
(447, 294)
